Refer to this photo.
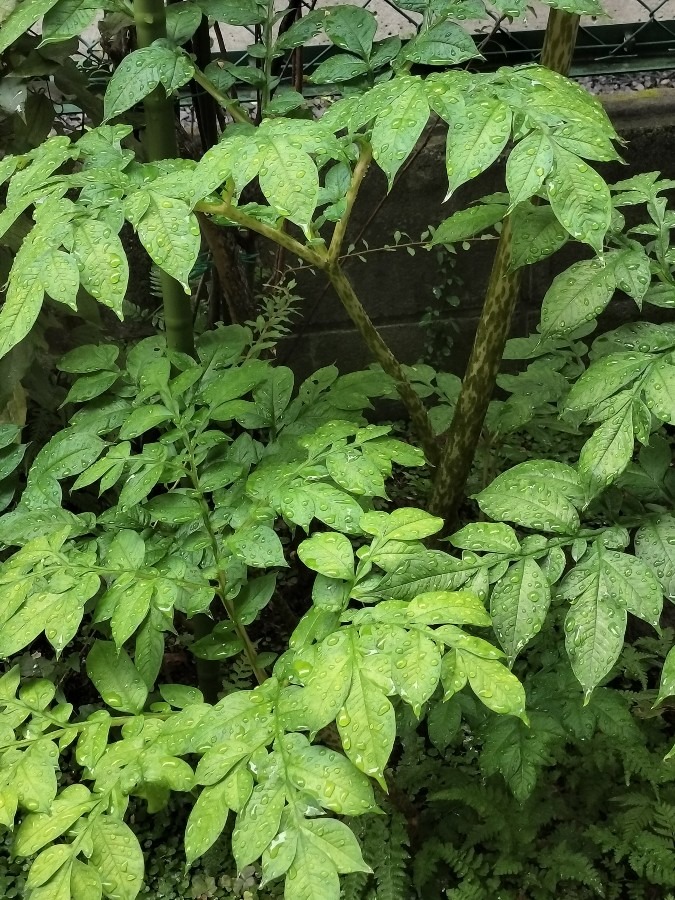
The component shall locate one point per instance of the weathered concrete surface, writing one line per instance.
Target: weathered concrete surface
(396, 288)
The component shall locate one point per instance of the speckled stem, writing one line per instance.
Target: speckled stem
(501, 297)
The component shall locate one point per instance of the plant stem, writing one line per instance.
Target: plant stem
(358, 175)
(159, 140)
(233, 107)
(495, 324)
(321, 259)
(383, 355)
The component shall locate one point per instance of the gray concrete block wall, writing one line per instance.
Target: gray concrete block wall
(396, 288)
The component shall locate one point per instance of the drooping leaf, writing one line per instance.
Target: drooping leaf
(476, 140)
(116, 677)
(579, 198)
(518, 605)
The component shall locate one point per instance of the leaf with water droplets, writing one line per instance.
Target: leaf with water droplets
(633, 273)
(330, 554)
(528, 165)
(66, 19)
(312, 875)
(367, 725)
(39, 829)
(258, 823)
(537, 234)
(117, 856)
(341, 67)
(288, 175)
(519, 604)
(660, 391)
(476, 138)
(444, 607)
(399, 124)
(577, 295)
(403, 524)
(61, 277)
(596, 621)
(326, 686)
(104, 270)
(444, 44)
(655, 546)
(335, 508)
(206, 821)
(351, 28)
(415, 665)
(494, 685)
(469, 222)
(47, 864)
(116, 678)
(170, 233)
(604, 377)
(540, 494)
(580, 199)
(141, 72)
(608, 451)
(667, 686)
(486, 537)
(337, 841)
(257, 545)
(328, 776)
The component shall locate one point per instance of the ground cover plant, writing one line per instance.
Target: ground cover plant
(209, 601)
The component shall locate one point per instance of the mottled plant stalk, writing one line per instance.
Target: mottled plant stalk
(159, 141)
(494, 326)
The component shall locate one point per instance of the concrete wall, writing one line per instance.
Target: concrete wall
(396, 288)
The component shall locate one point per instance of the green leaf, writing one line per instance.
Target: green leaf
(537, 234)
(403, 524)
(38, 829)
(257, 545)
(258, 823)
(335, 508)
(606, 454)
(141, 72)
(367, 726)
(117, 856)
(399, 125)
(326, 686)
(519, 604)
(660, 391)
(130, 611)
(471, 148)
(596, 621)
(580, 199)
(342, 67)
(47, 864)
(329, 554)
(494, 685)
(605, 377)
(104, 270)
(85, 882)
(68, 453)
(174, 508)
(288, 175)
(66, 19)
(312, 875)
(89, 358)
(442, 607)
(61, 277)
(325, 774)
(182, 20)
(444, 44)
(655, 546)
(355, 472)
(632, 273)
(518, 752)
(351, 28)
(667, 686)
(34, 778)
(90, 386)
(486, 537)
(144, 418)
(528, 164)
(576, 296)
(206, 821)
(169, 231)
(234, 12)
(20, 20)
(23, 300)
(540, 494)
(116, 678)
(338, 842)
(416, 668)
(468, 222)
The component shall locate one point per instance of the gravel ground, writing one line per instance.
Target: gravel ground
(633, 81)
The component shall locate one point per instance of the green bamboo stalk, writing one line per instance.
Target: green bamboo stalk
(159, 141)
(494, 326)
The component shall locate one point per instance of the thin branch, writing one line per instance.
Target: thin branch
(233, 107)
(358, 175)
